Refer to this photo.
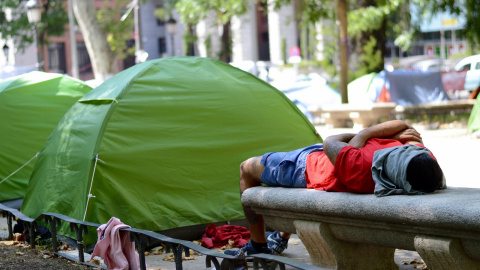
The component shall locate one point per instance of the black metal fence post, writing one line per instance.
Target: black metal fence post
(10, 227)
(140, 242)
(80, 230)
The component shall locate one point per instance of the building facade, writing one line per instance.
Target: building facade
(441, 30)
(262, 34)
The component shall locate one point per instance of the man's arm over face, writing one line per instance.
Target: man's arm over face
(396, 129)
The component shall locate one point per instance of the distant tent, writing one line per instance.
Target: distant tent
(30, 107)
(159, 145)
(474, 119)
(11, 71)
(359, 88)
(378, 85)
(367, 88)
(311, 93)
(408, 87)
(404, 87)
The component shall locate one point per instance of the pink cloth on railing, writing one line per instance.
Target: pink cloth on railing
(115, 248)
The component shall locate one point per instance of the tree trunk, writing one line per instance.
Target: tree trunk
(381, 37)
(226, 43)
(342, 17)
(190, 51)
(104, 62)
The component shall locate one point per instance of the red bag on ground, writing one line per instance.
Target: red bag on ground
(216, 237)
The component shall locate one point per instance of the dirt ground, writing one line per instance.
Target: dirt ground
(19, 257)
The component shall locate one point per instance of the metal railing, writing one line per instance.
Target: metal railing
(142, 238)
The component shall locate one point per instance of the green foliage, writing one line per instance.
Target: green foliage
(370, 18)
(305, 64)
(404, 41)
(208, 45)
(43, 244)
(192, 11)
(189, 39)
(164, 12)
(312, 43)
(308, 41)
(54, 18)
(310, 10)
(304, 42)
(371, 59)
(169, 6)
(118, 32)
(161, 13)
(330, 49)
(366, 19)
(284, 49)
(401, 27)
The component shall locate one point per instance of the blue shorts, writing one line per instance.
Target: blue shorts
(287, 169)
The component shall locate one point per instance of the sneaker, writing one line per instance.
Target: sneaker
(276, 243)
(243, 252)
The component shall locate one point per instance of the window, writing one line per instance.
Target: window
(162, 47)
(129, 61)
(465, 67)
(84, 64)
(56, 57)
(477, 66)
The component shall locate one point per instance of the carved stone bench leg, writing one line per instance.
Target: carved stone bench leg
(335, 120)
(443, 253)
(327, 251)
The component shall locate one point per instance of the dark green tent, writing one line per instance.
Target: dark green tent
(170, 135)
(474, 119)
(30, 107)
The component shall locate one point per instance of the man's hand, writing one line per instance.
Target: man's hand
(407, 135)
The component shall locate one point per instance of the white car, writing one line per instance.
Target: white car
(435, 64)
(472, 65)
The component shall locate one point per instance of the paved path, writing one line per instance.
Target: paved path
(456, 152)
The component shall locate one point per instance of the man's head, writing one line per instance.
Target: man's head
(424, 174)
(407, 169)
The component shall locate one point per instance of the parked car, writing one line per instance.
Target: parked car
(472, 65)
(435, 64)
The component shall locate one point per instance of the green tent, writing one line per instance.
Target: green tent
(474, 120)
(170, 135)
(30, 107)
(358, 89)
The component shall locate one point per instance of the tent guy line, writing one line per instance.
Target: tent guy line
(21, 167)
(90, 195)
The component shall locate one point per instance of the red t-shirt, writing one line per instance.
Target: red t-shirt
(352, 171)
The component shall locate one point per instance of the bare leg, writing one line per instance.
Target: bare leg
(285, 235)
(250, 172)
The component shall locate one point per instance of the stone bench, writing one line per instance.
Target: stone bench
(452, 107)
(362, 115)
(361, 231)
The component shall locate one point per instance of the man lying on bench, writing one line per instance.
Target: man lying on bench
(385, 159)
